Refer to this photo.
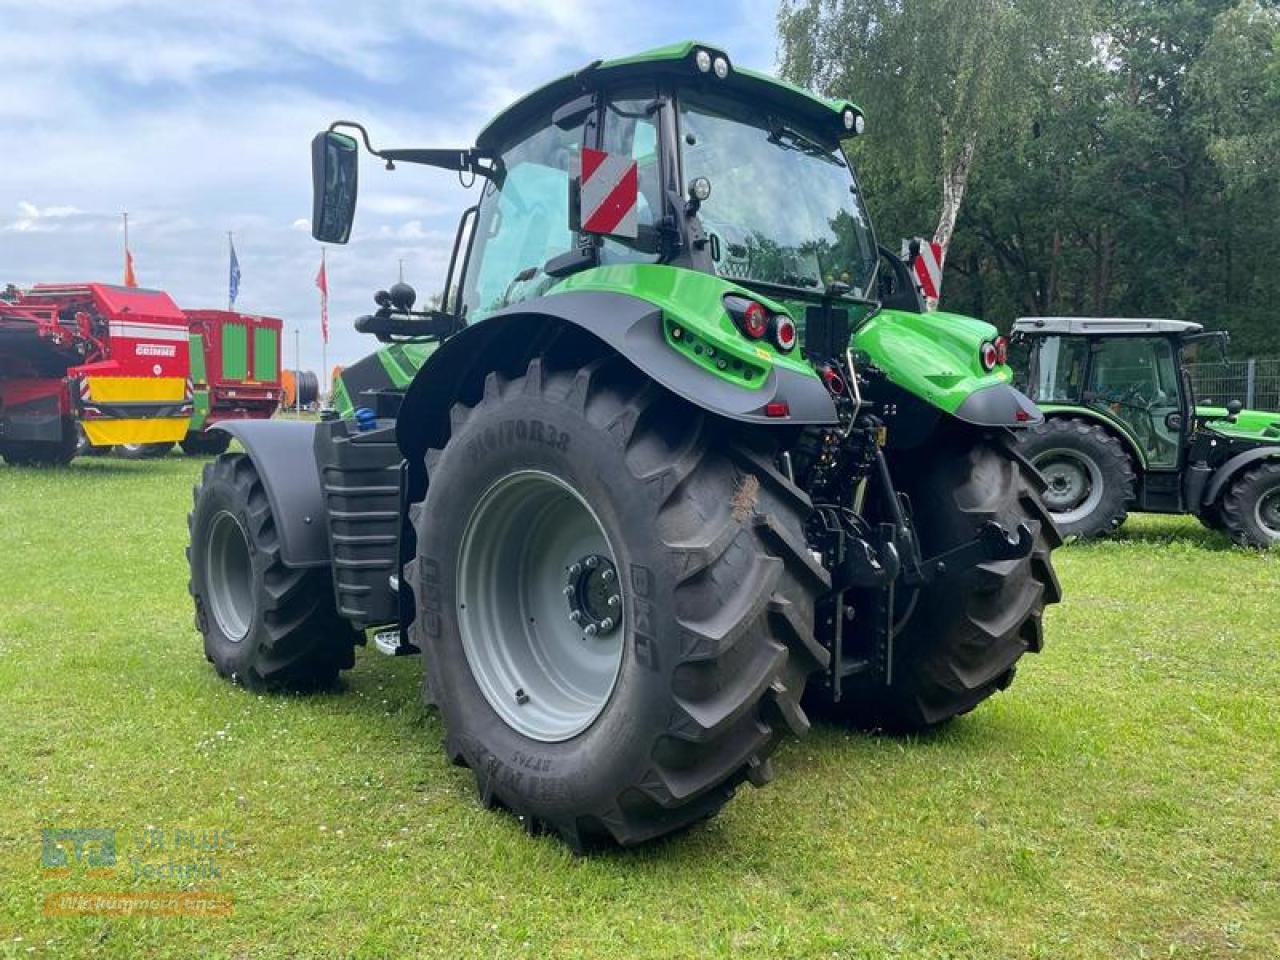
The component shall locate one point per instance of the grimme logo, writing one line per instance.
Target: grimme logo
(61, 848)
(155, 350)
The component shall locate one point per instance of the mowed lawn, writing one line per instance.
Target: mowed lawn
(1121, 800)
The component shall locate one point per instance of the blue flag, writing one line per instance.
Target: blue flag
(233, 280)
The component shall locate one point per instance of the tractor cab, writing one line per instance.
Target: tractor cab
(1127, 371)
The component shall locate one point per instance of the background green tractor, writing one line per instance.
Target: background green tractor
(681, 441)
(1122, 430)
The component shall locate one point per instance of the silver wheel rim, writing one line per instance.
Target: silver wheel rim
(1267, 513)
(537, 582)
(229, 569)
(1074, 481)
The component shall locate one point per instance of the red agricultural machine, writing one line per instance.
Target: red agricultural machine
(112, 359)
(101, 367)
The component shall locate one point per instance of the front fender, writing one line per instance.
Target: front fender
(283, 452)
(631, 325)
(937, 357)
(1229, 470)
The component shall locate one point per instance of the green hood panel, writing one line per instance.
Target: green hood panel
(936, 356)
(1257, 425)
(697, 324)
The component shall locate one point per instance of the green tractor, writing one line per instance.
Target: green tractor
(681, 443)
(1122, 430)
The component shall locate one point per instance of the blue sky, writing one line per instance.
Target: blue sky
(196, 118)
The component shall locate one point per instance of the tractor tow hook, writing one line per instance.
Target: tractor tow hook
(993, 543)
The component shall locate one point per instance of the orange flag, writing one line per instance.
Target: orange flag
(130, 279)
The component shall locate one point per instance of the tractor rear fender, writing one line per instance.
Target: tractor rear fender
(632, 326)
(1233, 467)
(283, 453)
(1131, 447)
(936, 357)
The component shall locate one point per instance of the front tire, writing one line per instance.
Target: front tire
(265, 625)
(1251, 507)
(1089, 477)
(660, 717)
(959, 639)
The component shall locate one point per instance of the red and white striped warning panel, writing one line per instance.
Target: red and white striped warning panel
(608, 193)
(927, 265)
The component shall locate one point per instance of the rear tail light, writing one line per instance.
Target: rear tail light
(755, 320)
(1002, 350)
(784, 333)
(990, 355)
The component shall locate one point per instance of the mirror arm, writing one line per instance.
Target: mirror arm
(461, 161)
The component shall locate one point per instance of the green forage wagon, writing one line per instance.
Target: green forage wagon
(683, 460)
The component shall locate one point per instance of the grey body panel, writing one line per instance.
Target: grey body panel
(1225, 473)
(1102, 326)
(283, 452)
(998, 406)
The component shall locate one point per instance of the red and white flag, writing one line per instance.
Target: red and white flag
(322, 281)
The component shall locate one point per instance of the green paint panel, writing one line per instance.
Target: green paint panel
(266, 362)
(1259, 425)
(198, 374)
(235, 351)
(697, 324)
(199, 409)
(936, 356)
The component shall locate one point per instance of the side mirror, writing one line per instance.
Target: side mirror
(334, 169)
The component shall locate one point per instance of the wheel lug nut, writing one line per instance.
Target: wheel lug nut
(592, 562)
(575, 616)
(614, 600)
(568, 591)
(591, 630)
(575, 570)
(607, 624)
(607, 576)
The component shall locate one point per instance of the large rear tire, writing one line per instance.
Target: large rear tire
(1251, 507)
(959, 639)
(265, 625)
(1088, 475)
(646, 724)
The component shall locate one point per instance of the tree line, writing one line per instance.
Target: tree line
(1080, 157)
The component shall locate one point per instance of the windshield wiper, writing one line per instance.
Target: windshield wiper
(800, 143)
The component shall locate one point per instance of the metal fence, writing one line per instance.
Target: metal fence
(1254, 382)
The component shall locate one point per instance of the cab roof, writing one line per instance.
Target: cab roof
(1102, 326)
(678, 61)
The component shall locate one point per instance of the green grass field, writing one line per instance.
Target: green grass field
(1121, 800)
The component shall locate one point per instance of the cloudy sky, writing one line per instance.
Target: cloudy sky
(196, 118)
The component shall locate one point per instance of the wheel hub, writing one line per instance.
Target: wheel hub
(591, 587)
(1269, 512)
(539, 605)
(1073, 483)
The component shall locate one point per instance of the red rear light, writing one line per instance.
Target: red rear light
(755, 320)
(777, 409)
(1002, 350)
(784, 333)
(989, 354)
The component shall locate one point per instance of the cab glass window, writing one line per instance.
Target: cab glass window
(1058, 376)
(523, 222)
(630, 129)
